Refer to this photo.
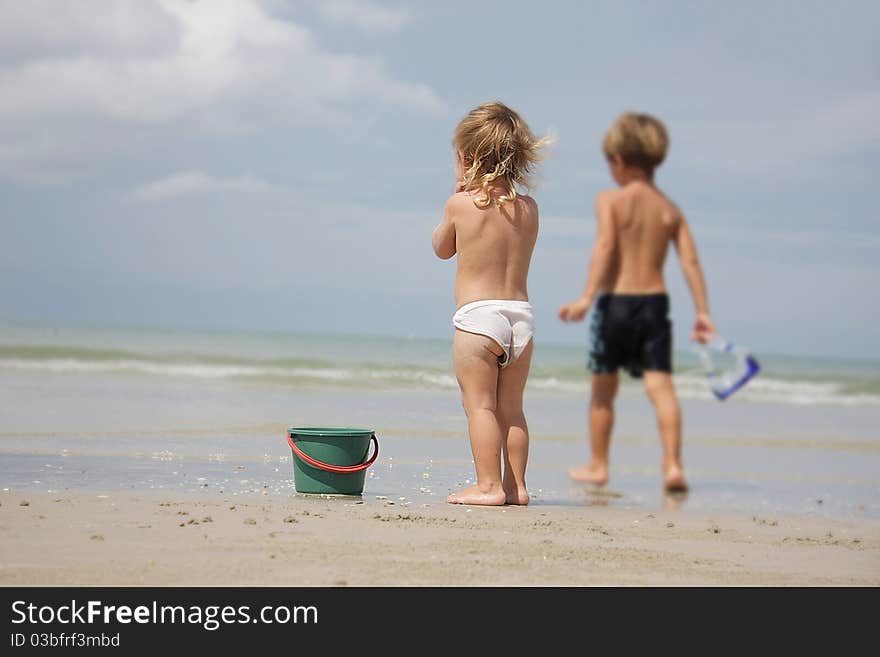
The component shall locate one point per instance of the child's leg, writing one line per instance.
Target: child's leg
(514, 430)
(604, 390)
(661, 391)
(476, 366)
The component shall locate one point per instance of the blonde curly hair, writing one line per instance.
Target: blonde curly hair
(496, 145)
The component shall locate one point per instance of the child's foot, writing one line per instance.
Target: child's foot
(516, 495)
(673, 480)
(474, 495)
(590, 474)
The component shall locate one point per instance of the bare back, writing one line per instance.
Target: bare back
(645, 222)
(494, 247)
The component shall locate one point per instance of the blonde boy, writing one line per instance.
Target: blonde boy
(630, 327)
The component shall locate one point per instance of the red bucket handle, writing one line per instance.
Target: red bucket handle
(329, 467)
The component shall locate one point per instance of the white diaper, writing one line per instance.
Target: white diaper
(509, 323)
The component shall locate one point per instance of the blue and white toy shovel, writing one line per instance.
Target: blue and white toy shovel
(725, 381)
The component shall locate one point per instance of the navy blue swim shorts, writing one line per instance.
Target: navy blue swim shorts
(632, 331)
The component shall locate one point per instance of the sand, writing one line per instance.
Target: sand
(133, 539)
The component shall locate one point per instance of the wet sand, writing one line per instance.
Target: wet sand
(136, 539)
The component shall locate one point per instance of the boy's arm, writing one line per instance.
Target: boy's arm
(693, 275)
(443, 238)
(600, 260)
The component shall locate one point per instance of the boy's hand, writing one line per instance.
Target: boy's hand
(575, 311)
(704, 329)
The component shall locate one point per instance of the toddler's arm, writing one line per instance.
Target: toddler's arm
(443, 238)
(600, 260)
(693, 275)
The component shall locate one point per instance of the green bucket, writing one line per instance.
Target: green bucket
(331, 461)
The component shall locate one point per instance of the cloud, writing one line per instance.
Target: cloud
(187, 183)
(218, 52)
(363, 14)
(45, 28)
(224, 65)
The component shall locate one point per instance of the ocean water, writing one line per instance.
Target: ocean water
(298, 360)
(88, 407)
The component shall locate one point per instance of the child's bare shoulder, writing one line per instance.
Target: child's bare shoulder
(457, 204)
(608, 199)
(671, 212)
(528, 202)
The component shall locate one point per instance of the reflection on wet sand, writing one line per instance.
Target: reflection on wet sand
(593, 495)
(673, 501)
(602, 496)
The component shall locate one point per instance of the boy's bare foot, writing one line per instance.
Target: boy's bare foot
(590, 474)
(673, 480)
(474, 495)
(516, 495)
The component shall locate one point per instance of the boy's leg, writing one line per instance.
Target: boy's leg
(514, 430)
(661, 391)
(476, 366)
(601, 421)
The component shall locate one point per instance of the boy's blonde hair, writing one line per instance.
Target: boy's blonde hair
(640, 140)
(497, 145)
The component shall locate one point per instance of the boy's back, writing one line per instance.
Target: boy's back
(644, 222)
(631, 327)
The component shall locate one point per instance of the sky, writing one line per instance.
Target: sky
(281, 165)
